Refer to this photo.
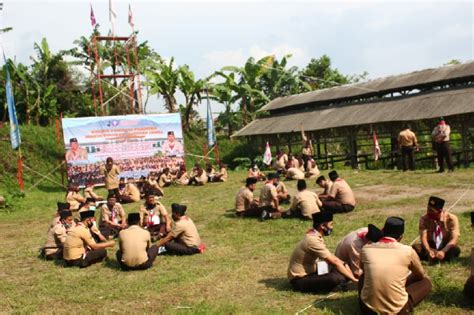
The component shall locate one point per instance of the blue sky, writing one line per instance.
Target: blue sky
(380, 37)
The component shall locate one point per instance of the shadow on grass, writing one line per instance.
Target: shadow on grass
(338, 305)
(451, 296)
(112, 264)
(279, 284)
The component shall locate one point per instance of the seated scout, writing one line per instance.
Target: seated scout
(349, 248)
(312, 267)
(131, 192)
(305, 202)
(469, 285)
(182, 177)
(325, 184)
(254, 171)
(294, 173)
(312, 170)
(222, 175)
(74, 198)
(340, 198)
(80, 249)
(246, 205)
(198, 176)
(53, 248)
(96, 234)
(136, 251)
(166, 179)
(184, 238)
(281, 161)
(152, 187)
(282, 191)
(268, 201)
(154, 217)
(57, 218)
(386, 285)
(89, 192)
(210, 172)
(112, 218)
(439, 233)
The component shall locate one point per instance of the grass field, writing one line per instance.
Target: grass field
(244, 267)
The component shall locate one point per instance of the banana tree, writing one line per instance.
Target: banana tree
(192, 90)
(163, 80)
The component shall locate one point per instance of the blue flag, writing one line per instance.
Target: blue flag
(14, 127)
(211, 134)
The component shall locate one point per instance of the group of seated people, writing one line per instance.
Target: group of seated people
(337, 197)
(296, 167)
(389, 275)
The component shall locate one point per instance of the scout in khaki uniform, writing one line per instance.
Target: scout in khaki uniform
(281, 161)
(312, 267)
(440, 136)
(254, 171)
(407, 144)
(268, 201)
(131, 193)
(222, 175)
(246, 205)
(136, 251)
(305, 202)
(57, 216)
(112, 218)
(80, 249)
(166, 179)
(387, 286)
(154, 217)
(184, 238)
(74, 198)
(111, 174)
(439, 233)
(306, 149)
(325, 184)
(53, 248)
(89, 192)
(198, 176)
(340, 198)
(282, 191)
(182, 178)
(152, 186)
(312, 170)
(348, 250)
(294, 173)
(96, 234)
(469, 285)
(75, 153)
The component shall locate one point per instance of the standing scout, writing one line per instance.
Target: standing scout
(439, 233)
(246, 205)
(80, 249)
(184, 238)
(440, 136)
(305, 203)
(53, 249)
(136, 251)
(111, 176)
(407, 143)
(387, 286)
(312, 267)
(340, 198)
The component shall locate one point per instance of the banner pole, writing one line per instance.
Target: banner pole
(20, 171)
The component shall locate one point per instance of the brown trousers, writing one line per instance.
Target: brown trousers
(417, 291)
(443, 152)
(152, 253)
(92, 257)
(423, 254)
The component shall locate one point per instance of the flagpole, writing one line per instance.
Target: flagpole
(20, 171)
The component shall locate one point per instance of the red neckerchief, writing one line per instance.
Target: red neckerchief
(339, 180)
(312, 231)
(387, 240)
(362, 235)
(171, 146)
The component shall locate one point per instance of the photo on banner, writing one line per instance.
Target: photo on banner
(139, 144)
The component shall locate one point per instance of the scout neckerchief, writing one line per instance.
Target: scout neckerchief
(387, 240)
(113, 215)
(362, 234)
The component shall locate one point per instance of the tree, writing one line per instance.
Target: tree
(163, 80)
(191, 89)
(228, 119)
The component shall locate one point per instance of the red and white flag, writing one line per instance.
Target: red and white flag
(93, 21)
(130, 16)
(377, 151)
(112, 17)
(267, 156)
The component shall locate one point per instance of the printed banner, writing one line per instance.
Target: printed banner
(139, 144)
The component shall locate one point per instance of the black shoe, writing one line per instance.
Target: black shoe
(346, 286)
(265, 215)
(440, 171)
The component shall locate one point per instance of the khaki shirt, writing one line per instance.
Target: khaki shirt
(295, 173)
(307, 202)
(328, 187)
(342, 192)
(243, 199)
(281, 162)
(441, 133)
(267, 193)
(449, 224)
(349, 248)
(111, 216)
(77, 239)
(386, 267)
(56, 238)
(307, 253)
(313, 171)
(407, 138)
(74, 199)
(89, 193)
(111, 179)
(281, 188)
(185, 232)
(146, 214)
(222, 174)
(79, 154)
(183, 180)
(200, 179)
(132, 191)
(134, 243)
(164, 180)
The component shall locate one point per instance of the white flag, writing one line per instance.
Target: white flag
(112, 17)
(267, 156)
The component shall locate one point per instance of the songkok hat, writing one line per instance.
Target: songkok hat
(436, 202)
(72, 140)
(63, 206)
(301, 185)
(170, 133)
(133, 217)
(65, 214)
(250, 181)
(321, 217)
(179, 209)
(373, 234)
(87, 214)
(394, 226)
(271, 176)
(333, 175)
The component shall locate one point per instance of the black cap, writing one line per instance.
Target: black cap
(321, 217)
(72, 140)
(301, 184)
(133, 218)
(374, 234)
(250, 181)
(436, 202)
(394, 227)
(87, 214)
(63, 206)
(333, 175)
(170, 133)
(179, 209)
(271, 176)
(112, 195)
(65, 214)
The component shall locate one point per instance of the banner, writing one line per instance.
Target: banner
(14, 127)
(139, 144)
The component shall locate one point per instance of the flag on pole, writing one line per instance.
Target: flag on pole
(93, 21)
(377, 151)
(14, 127)
(267, 156)
(211, 134)
(112, 17)
(130, 16)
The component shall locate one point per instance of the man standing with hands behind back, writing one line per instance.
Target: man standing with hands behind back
(407, 143)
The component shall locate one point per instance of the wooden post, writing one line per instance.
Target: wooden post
(353, 147)
(464, 141)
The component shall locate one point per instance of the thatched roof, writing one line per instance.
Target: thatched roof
(417, 79)
(418, 107)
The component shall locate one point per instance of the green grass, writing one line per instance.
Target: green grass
(244, 267)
